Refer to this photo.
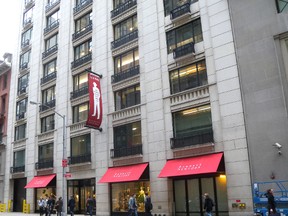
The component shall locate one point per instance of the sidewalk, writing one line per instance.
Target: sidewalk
(22, 214)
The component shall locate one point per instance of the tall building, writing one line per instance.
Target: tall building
(5, 75)
(173, 123)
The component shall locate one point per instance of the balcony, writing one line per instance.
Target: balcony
(47, 105)
(125, 74)
(27, 22)
(123, 152)
(81, 6)
(179, 11)
(78, 93)
(48, 77)
(183, 50)
(25, 43)
(44, 164)
(52, 26)
(20, 116)
(50, 6)
(24, 66)
(123, 7)
(18, 169)
(81, 61)
(82, 32)
(201, 137)
(50, 51)
(79, 159)
(125, 39)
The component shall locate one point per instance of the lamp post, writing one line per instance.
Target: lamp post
(64, 159)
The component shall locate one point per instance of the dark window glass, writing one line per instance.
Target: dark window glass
(52, 18)
(169, 5)
(47, 123)
(3, 104)
(127, 97)
(23, 83)
(83, 49)
(27, 17)
(50, 67)
(19, 158)
(127, 135)
(125, 27)
(48, 94)
(26, 36)
(21, 108)
(282, 6)
(83, 22)
(25, 58)
(81, 145)
(20, 132)
(80, 81)
(80, 112)
(51, 42)
(117, 3)
(45, 152)
(126, 61)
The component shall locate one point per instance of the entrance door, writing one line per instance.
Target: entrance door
(19, 194)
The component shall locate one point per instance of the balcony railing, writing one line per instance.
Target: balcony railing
(82, 32)
(17, 169)
(123, 152)
(123, 7)
(50, 51)
(81, 60)
(48, 77)
(80, 92)
(125, 74)
(52, 26)
(48, 7)
(44, 164)
(81, 6)
(27, 22)
(125, 39)
(79, 159)
(183, 50)
(203, 136)
(20, 116)
(47, 105)
(25, 43)
(24, 66)
(179, 11)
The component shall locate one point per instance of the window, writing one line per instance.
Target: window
(45, 152)
(27, 17)
(50, 67)
(188, 77)
(3, 104)
(188, 33)
(51, 42)
(169, 5)
(127, 97)
(80, 112)
(83, 22)
(80, 2)
(26, 37)
(19, 158)
(282, 6)
(81, 145)
(52, 19)
(20, 132)
(192, 122)
(117, 3)
(23, 83)
(24, 59)
(127, 135)
(80, 81)
(125, 27)
(126, 61)
(48, 95)
(5, 80)
(47, 123)
(51, 2)
(21, 108)
(83, 49)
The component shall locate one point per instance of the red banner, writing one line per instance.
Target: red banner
(95, 108)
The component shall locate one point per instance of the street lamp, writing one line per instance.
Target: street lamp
(64, 159)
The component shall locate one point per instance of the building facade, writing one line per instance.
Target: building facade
(173, 123)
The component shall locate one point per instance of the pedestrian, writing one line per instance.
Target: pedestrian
(46, 205)
(271, 202)
(50, 205)
(41, 204)
(71, 205)
(148, 205)
(208, 205)
(132, 205)
(59, 206)
(89, 205)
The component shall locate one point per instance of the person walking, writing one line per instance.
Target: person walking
(71, 205)
(132, 205)
(208, 205)
(59, 206)
(148, 205)
(271, 202)
(41, 204)
(90, 205)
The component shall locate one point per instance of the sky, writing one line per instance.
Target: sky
(9, 25)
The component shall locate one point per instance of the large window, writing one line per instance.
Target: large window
(192, 122)
(51, 42)
(169, 5)
(125, 27)
(52, 19)
(82, 23)
(188, 77)
(80, 112)
(80, 145)
(47, 123)
(126, 61)
(282, 6)
(83, 49)
(20, 132)
(21, 108)
(26, 37)
(23, 83)
(27, 17)
(117, 3)
(80, 81)
(50, 67)
(24, 59)
(127, 135)
(188, 33)
(19, 158)
(45, 152)
(127, 97)
(48, 95)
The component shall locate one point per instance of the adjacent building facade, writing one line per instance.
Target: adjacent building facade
(173, 122)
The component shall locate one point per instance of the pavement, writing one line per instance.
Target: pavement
(22, 214)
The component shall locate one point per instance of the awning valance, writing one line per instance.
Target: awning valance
(40, 181)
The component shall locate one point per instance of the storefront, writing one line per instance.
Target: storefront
(81, 189)
(124, 182)
(192, 177)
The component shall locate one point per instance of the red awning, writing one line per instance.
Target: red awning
(40, 181)
(191, 166)
(124, 173)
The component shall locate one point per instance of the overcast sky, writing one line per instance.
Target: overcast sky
(9, 25)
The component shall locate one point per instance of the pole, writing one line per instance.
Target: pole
(64, 169)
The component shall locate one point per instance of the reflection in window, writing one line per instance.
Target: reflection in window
(45, 152)
(25, 58)
(282, 6)
(127, 97)
(80, 81)
(169, 5)
(19, 158)
(80, 112)
(81, 145)
(23, 83)
(127, 135)
(48, 95)
(51, 42)
(27, 17)
(117, 3)
(21, 107)
(83, 49)
(83, 22)
(26, 37)
(126, 61)
(47, 123)
(125, 27)
(52, 18)
(50, 67)
(20, 132)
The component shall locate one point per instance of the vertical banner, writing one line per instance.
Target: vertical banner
(95, 108)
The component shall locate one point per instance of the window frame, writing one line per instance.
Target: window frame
(16, 162)
(42, 157)
(47, 123)
(21, 106)
(76, 81)
(23, 84)
(47, 95)
(25, 58)
(134, 63)
(121, 102)
(17, 134)
(52, 18)
(85, 47)
(86, 142)
(78, 23)
(76, 113)
(121, 29)
(27, 35)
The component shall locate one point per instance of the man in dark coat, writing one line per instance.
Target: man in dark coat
(271, 202)
(71, 205)
(208, 205)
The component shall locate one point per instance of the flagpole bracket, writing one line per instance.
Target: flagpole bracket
(89, 71)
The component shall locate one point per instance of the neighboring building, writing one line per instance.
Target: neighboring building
(5, 76)
(173, 122)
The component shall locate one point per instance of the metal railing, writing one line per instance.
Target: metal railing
(81, 6)
(183, 50)
(48, 77)
(123, 7)
(24, 66)
(179, 11)
(82, 32)
(201, 137)
(50, 51)
(52, 26)
(79, 92)
(25, 43)
(44, 164)
(125, 74)
(79, 159)
(125, 39)
(128, 151)
(17, 169)
(47, 105)
(27, 22)
(48, 7)
(81, 60)
(20, 116)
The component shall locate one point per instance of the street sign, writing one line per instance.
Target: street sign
(64, 163)
(68, 175)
